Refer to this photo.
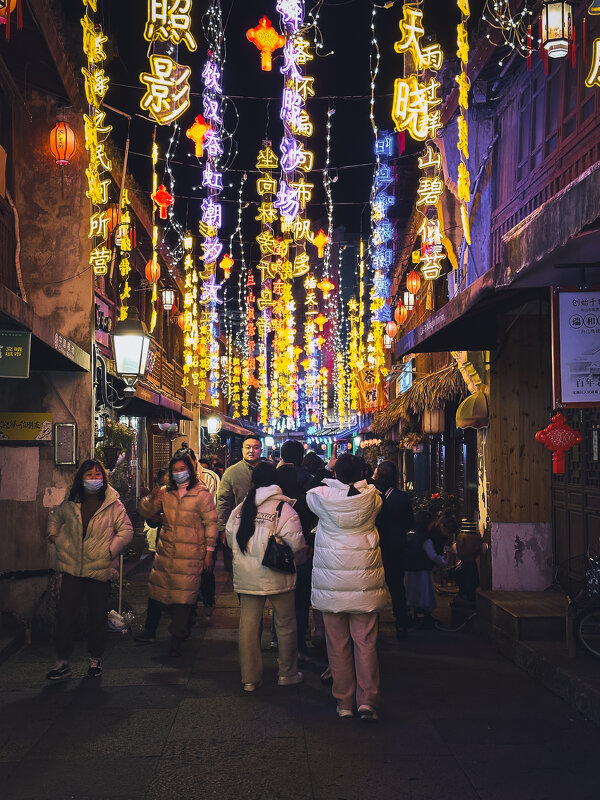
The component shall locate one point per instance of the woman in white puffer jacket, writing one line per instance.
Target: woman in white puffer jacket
(348, 584)
(265, 510)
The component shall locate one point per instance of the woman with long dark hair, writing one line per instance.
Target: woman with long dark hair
(89, 529)
(186, 545)
(265, 510)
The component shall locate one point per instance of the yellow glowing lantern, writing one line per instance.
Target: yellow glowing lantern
(197, 133)
(326, 286)
(557, 27)
(226, 264)
(62, 143)
(321, 320)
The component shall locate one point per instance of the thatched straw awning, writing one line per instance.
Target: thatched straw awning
(431, 391)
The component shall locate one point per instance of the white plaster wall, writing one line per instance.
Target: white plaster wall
(19, 471)
(521, 556)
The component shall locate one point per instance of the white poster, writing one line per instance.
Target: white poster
(579, 325)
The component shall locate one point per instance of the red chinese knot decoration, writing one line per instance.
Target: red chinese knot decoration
(558, 437)
(266, 38)
(163, 200)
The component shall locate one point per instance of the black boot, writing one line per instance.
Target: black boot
(175, 648)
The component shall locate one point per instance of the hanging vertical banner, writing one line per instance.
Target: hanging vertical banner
(96, 83)
(576, 344)
(464, 180)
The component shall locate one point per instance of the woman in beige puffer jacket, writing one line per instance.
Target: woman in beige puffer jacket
(89, 529)
(186, 543)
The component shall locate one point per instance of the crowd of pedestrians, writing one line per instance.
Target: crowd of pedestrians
(351, 538)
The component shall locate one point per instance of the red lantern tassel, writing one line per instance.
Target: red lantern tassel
(401, 142)
(8, 21)
(528, 48)
(19, 15)
(574, 48)
(546, 62)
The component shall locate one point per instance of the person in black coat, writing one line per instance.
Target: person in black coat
(393, 522)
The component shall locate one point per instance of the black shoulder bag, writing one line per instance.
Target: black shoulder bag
(278, 555)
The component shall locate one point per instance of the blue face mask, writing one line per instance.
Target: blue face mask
(93, 486)
(181, 477)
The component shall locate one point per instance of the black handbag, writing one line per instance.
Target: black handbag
(278, 555)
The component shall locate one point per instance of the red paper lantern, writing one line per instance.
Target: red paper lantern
(400, 314)
(558, 437)
(152, 271)
(391, 329)
(181, 321)
(62, 143)
(413, 282)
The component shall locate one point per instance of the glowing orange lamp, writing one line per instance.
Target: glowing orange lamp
(197, 133)
(413, 282)
(152, 271)
(163, 200)
(266, 39)
(62, 143)
(326, 286)
(320, 241)
(321, 320)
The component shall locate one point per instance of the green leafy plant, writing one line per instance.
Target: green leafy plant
(441, 503)
(117, 435)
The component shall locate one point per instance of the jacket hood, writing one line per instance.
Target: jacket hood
(331, 502)
(110, 496)
(273, 492)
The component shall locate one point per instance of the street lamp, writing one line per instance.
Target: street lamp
(557, 27)
(168, 299)
(131, 342)
(213, 425)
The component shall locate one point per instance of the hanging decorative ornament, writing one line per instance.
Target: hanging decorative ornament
(514, 27)
(267, 40)
(400, 314)
(62, 143)
(6, 9)
(326, 286)
(391, 329)
(320, 241)
(413, 282)
(163, 200)
(226, 264)
(197, 133)
(152, 271)
(558, 437)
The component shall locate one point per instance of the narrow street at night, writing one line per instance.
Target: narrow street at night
(457, 721)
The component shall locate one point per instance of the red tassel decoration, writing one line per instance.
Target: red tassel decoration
(401, 142)
(8, 15)
(528, 48)
(574, 48)
(546, 62)
(541, 46)
(19, 15)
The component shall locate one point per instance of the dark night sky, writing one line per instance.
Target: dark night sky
(343, 75)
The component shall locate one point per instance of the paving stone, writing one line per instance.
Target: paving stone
(197, 770)
(98, 778)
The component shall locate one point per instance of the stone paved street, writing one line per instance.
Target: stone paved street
(457, 722)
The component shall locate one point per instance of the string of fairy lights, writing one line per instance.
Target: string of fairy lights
(269, 326)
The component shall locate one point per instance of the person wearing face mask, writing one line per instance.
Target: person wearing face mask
(88, 529)
(186, 545)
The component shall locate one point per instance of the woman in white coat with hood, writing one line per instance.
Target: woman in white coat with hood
(264, 511)
(348, 584)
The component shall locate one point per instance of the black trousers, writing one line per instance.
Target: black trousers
(72, 592)
(302, 602)
(393, 568)
(179, 613)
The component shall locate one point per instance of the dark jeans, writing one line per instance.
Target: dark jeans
(393, 568)
(72, 592)
(153, 615)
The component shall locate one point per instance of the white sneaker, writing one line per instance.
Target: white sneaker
(344, 712)
(367, 713)
(252, 687)
(297, 678)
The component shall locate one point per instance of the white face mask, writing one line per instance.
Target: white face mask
(181, 477)
(94, 485)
